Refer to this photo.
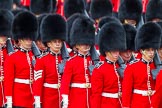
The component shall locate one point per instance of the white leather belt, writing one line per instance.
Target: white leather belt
(81, 85)
(144, 92)
(55, 86)
(23, 81)
(111, 95)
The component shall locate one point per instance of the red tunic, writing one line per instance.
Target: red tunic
(60, 7)
(46, 72)
(104, 79)
(17, 66)
(25, 2)
(75, 72)
(136, 77)
(144, 4)
(116, 4)
(3, 54)
(157, 97)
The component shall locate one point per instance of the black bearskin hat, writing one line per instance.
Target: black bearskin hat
(112, 37)
(53, 26)
(6, 18)
(100, 8)
(41, 6)
(130, 9)
(24, 26)
(73, 6)
(154, 10)
(148, 36)
(107, 19)
(160, 23)
(70, 21)
(6, 4)
(15, 12)
(130, 36)
(40, 18)
(82, 31)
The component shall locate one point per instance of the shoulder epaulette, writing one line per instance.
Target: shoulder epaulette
(100, 63)
(12, 52)
(134, 61)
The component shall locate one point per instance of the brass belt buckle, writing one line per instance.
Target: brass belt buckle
(149, 93)
(1, 78)
(119, 94)
(87, 85)
(30, 81)
(58, 85)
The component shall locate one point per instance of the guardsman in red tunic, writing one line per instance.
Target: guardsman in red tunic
(71, 49)
(98, 10)
(130, 12)
(157, 97)
(47, 74)
(106, 81)
(76, 80)
(18, 68)
(138, 84)
(153, 11)
(127, 55)
(41, 8)
(6, 18)
(102, 21)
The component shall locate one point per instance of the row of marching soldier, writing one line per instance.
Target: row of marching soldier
(50, 61)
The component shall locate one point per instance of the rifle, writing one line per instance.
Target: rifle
(35, 50)
(158, 65)
(95, 58)
(65, 56)
(122, 66)
(10, 47)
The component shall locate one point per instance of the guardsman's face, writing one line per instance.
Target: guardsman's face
(148, 54)
(3, 40)
(55, 45)
(130, 21)
(83, 48)
(25, 43)
(126, 55)
(112, 55)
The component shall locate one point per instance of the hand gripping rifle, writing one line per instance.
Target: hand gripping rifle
(95, 58)
(158, 65)
(65, 57)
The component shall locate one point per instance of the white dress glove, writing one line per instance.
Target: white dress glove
(65, 101)
(9, 101)
(37, 102)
